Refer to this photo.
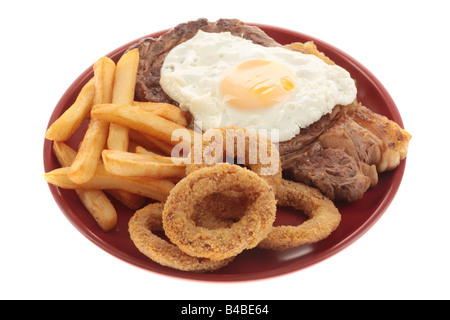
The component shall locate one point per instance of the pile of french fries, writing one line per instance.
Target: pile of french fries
(126, 150)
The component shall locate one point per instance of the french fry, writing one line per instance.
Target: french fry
(104, 77)
(164, 110)
(100, 207)
(64, 153)
(83, 168)
(135, 118)
(63, 128)
(131, 164)
(157, 189)
(130, 200)
(132, 145)
(126, 71)
(156, 146)
(94, 140)
(95, 201)
(147, 142)
(132, 177)
(131, 156)
(165, 148)
(117, 137)
(142, 150)
(123, 93)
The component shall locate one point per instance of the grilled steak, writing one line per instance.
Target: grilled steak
(307, 135)
(341, 154)
(375, 144)
(337, 174)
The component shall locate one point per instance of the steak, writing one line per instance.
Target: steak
(346, 156)
(340, 154)
(307, 135)
(153, 51)
(335, 173)
(355, 140)
(333, 155)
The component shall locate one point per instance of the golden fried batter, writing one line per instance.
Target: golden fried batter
(148, 220)
(324, 217)
(224, 242)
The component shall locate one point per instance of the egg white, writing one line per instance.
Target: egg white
(192, 72)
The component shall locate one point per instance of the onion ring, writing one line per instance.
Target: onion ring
(221, 243)
(324, 217)
(141, 227)
(230, 140)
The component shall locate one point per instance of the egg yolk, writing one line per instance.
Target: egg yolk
(257, 84)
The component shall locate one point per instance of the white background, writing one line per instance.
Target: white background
(46, 45)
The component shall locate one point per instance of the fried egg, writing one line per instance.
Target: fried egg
(224, 80)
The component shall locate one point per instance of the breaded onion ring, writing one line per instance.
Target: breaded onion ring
(254, 151)
(324, 217)
(221, 243)
(148, 220)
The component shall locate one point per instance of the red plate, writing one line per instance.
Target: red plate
(357, 217)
